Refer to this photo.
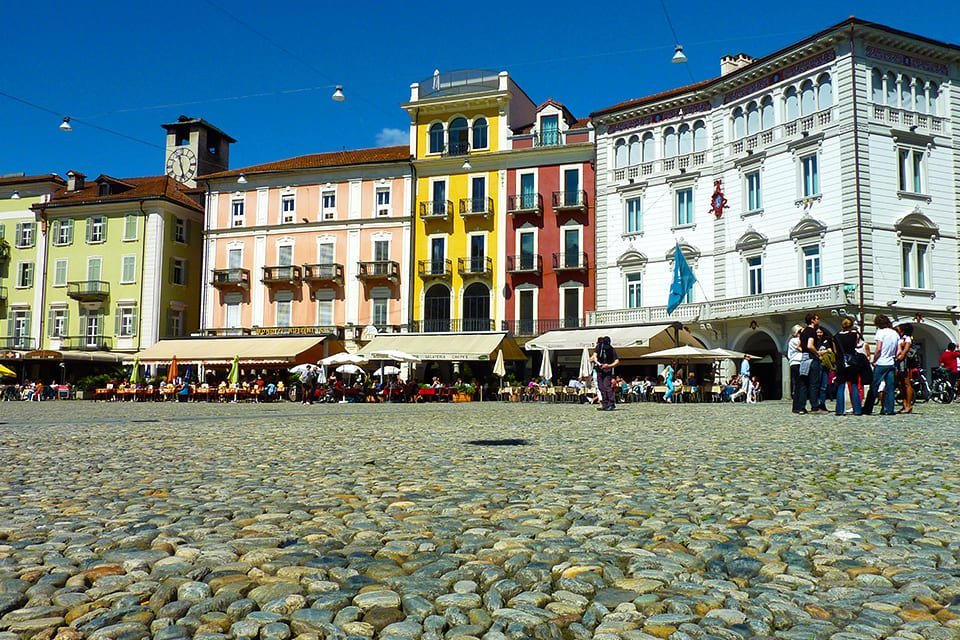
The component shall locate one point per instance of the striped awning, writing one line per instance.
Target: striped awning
(265, 350)
(448, 346)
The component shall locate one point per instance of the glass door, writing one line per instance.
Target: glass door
(479, 191)
(527, 251)
(93, 330)
(571, 187)
(528, 192)
(437, 256)
(549, 130)
(526, 312)
(478, 252)
(571, 248)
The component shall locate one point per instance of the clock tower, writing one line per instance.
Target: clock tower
(194, 148)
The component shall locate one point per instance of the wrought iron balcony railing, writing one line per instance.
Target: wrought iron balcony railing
(525, 263)
(457, 149)
(548, 139)
(475, 266)
(452, 325)
(435, 209)
(572, 200)
(86, 343)
(284, 274)
(525, 203)
(429, 269)
(570, 261)
(476, 207)
(323, 272)
(18, 342)
(88, 290)
(529, 327)
(231, 278)
(378, 270)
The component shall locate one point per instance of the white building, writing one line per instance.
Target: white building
(837, 159)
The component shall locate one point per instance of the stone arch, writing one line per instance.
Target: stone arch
(768, 367)
(916, 225)
(808, 227)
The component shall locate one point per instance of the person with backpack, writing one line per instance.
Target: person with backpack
(848, 367)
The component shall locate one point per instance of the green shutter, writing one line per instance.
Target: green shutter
(19, 235)
(3, 231)
(173, 228)
(10, 325)
(170, 269)
(50, 317)
(134, 322)
(30, 274)
(27, 326)
(55, 231)
(103, 236)
(70, 231)
(66, 322)
(88, 224)
(116, 323)
(168, 328)
(186, 271)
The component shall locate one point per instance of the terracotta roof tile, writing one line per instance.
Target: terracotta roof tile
(653, 98)
(321, 160)
(46, 177)
(125, 189)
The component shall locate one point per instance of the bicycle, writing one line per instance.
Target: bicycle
(922, 391)
(944, 390)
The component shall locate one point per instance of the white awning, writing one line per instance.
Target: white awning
(286, 351)
(630, 342)
(447, 346)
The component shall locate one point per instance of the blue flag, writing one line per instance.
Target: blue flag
(683, 280)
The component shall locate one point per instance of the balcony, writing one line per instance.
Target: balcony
(457, 149)
(476, 266)
(452, 325)
(666, 165)
(436, 210)
(231, 278)
(85, 343)
(525, 203)
(327, 272)
(570, 200)
(570, 261)
(548, 139)
(521, 264)
(89, 290)
(476, 207)
(289, 275)
(531, 328)
(803, 125)
(434, 269)
(388, 270)
(793, 300)
(903, 118)
(18, 342)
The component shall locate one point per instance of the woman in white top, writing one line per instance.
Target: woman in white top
(794, 356)
(903, 371)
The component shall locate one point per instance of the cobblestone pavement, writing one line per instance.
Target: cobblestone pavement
(485, 520)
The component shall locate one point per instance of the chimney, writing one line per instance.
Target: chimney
(74, 180)
(729, 64)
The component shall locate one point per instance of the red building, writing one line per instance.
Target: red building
(549, 233)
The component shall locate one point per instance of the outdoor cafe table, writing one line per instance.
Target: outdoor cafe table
(432, 394)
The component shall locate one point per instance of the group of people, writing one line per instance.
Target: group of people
(34, 391)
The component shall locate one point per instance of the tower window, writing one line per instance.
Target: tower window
(183, 138)
(213, 143)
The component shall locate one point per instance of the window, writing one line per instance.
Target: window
(914, 264)
(234, 258)
(20, 329)
(175, 323)
(686, 140)
(528, 191)
(60, 272)
(233, 310)
(571, 247)
(325, 253)
(130, 227)
(824, 92)
(58, 323)
(699, 136)
(284, 308)
(180, 230)
(739, 124)
(528, 252)
(329, 205)
(287, 208)
(97, 230)
(811, 266)
(649, 148)
(478, 253)
(634, 286)
(64, 233)
(178, 271)
(236, 213)
(754, 199)
(669, 142)
(753, 118)
(459, 142)
(634, 215)
(25, 234)
(684, 207)
(438, 247)
(876, 86)
(94, 268)
(620, 154)
(571, 187)
(911, 170)
(24, 275)
(439, 191)
(550, 130)
(635, 150)
(571, 307)
(436, 138)
(379, 310)
(325, 309)
(808, 102)
(810, 176)
(126, 322)
(478, 194)
(766, 113)
(383, 201)
(791, 105)
(755, 275)
(381, 250)
(480, 133)
(285, 255)
(526, 309)
(128, 272)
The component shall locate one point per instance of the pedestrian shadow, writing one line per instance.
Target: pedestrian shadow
(505, 442)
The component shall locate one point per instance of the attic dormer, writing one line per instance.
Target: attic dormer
(75, 180)
(553, 120)
(107, 186)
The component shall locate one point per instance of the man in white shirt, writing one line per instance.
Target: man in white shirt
(884, 357)
(746, 383)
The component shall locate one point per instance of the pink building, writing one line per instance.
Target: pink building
(309, 245)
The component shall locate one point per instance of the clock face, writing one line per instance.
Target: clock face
(182, 164)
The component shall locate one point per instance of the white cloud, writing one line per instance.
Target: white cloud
(389, 137)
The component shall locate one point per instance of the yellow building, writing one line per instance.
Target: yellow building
(460, 125)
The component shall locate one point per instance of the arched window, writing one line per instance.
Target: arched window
(620, 154)
(699, 136)
(921, 95)
(933, 95)
(739, 124)
(906, 93)
(459, 140)
(891, 89)
(824, 92)
(480, 133)
(808, 103)
(766, 113)
(753, 119)
(876, 82)
(686, 141)
(791, 105)
(669, 142)
(436, 138)
(634, 155)
(649, 147)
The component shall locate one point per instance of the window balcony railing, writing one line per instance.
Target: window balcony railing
(457, 149)
(806, 124)
(570, 200)
(88, 290)
(283, 274)
(436, 209)
(231, 278)
(904, 118)
(18, 342)
(378, 270)
(225, 332)
(525, 264)
(428, 269)
(752, 143)
(548, 139)
(531, 328)
(476, 207)
(86, 343)
(452, 325)
(644, 170)
(569, 261)
(802, 125)
(476, 266)
(525, 203)
(323, 272)
(822, 297)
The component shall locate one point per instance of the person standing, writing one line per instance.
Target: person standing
(746, 382)
(810, 371)
(668, 375)
(884, 358)
(794, 355)
(847, 369)
(950, 362)
(905, 370)
(604, 360)
(828, 364)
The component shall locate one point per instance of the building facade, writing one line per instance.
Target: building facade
(317, 244)
(819, 178)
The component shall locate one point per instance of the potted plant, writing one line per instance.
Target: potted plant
(465, 393)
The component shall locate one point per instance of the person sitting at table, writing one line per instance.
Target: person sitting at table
(436, 384)
(756, 390)
(730, 388)
(281, 390)
(694, 385)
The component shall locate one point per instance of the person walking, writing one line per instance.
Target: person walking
(604, 360)
(668, 375)
(884, 358)
(848, 375)
(746, 382)
(810, 371)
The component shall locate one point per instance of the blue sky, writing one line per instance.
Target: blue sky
(108, 62)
